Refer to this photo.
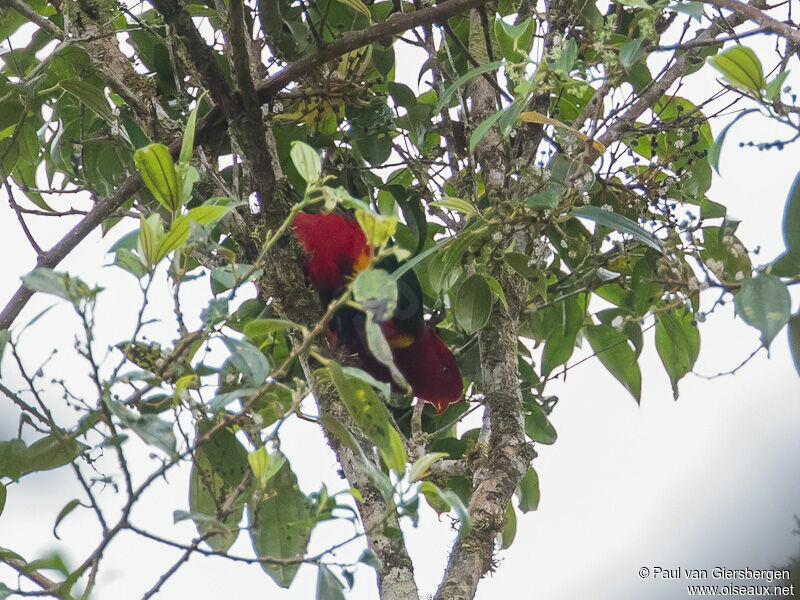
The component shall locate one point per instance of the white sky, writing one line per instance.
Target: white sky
(710, 480)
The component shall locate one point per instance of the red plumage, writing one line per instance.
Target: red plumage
(337, 249)
(334, 245)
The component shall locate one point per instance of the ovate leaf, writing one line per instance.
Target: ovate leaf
(537, 426)
(376, 291)
(178, 233)
(280, 525)
(611, 347)
(158, 172)
(208, 213)
(741, 67)
(249, 360)
(219, 466)
(510, 528)
(451, 499)
(92, 97)
(328, 585)
(677, 343)
(473, 304)
(306, 160)
(764, 303)
(528, 491)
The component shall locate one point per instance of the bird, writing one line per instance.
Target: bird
(336, 251)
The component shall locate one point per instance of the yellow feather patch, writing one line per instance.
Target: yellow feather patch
(362, 262)
(401, 340)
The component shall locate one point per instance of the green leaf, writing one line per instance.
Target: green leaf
(631, 53)
(368, 557)
(208, 213)
(176, 236)
(712, 210)
(619, 223)
(219, 465)
(328, 585)
(377, 228)
(90, 96)
(263, 327)
(791, 220)
(537, 426)
(220, 401)
(3, 495)
(401, 94)
(187, 144)
(528, 491)
(5, 591)
(215, 312)
(453, 87)
(515, 40)
(473, 304)
(49, 452)
(306, 161)
(376, 291)
(611, 347)
(716, 147)
(419, 470)
(566, 59)
(456, 204)
(636, 4)
(450, 498)
(691, 8)
(546, 199)
(280, 524)
(741, 67)
(563, 321)
(159, 175)
(497, 290)
(12, 459)
(482, 128)
(510, 528)
(774, 87)
(59, 284)
(379, 348)
(152, 430)
(249, 360)
(794, 342)
(358, 6)
(151, 232)
(677, 343)
(265, 465)
(68, 508)
(130, 262)
(335, 428)
(725, 255)
(371, 416)
(764, 303)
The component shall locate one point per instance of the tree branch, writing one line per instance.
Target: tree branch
(508, 455)
(753, 13)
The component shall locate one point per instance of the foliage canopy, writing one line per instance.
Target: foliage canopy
(539, 170)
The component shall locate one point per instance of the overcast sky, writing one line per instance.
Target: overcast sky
(710, 480)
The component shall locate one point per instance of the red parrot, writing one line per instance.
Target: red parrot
(337, 250)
